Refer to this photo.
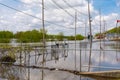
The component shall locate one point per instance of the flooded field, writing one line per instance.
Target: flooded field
(33, 65)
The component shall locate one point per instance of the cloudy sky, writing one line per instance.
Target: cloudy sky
(22, 15)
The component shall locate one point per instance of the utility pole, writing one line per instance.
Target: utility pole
(100, 38)
(104, 28)
(89, 16)
(117, 33)
(43, 25)
(104, 31)
(86, 39)
(75, 35)
(100, 28)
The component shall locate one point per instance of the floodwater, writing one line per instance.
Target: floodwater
(105, 56)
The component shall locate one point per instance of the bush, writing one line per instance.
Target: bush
(4, 40)
(7, 59)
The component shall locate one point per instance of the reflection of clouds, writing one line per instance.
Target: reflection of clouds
(51, 75)
(9, 72)
(108, 60)
(109, 57)
(69, 63)
(56, 75)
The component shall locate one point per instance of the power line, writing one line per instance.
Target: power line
(56, 4)
(25, 3)
(31, 15)
(64, 10)
(19, 11)
(28, 4)
(74, 8)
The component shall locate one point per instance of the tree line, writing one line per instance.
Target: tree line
(35, 36)
(114, 30)
(6, 36)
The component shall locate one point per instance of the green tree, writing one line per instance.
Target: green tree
(5, 36)
(79, 37)
(71, 37)
(60, 36)
(114, 30)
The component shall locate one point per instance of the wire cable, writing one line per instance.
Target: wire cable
(62, 8)
(74, 8)
(31, 15)
(65, 10)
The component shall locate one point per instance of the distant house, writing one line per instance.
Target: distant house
(100, 36)
(112, 36)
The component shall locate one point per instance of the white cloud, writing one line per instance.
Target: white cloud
(110, 22)
(30, 1)
(54, 16)
(118, 3)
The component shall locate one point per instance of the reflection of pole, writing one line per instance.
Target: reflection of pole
(21, 54)
(29, 65)
(35, 56)
(90, 35)
(21, 59)
(80, 61)
(104, 37)
(80, 58)
(85, 43)
(116, 42)
(75, 36)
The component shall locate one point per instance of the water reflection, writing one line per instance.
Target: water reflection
(113, 45)
(62, 57)
(9, 72)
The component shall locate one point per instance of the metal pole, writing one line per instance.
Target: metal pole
(100, 39)
(104, 38)
(116, 42)
(29, 65)
(90, 35)
(43, 25)
(100, 29)
(75, 36)
(80, 58)
(85, 43)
